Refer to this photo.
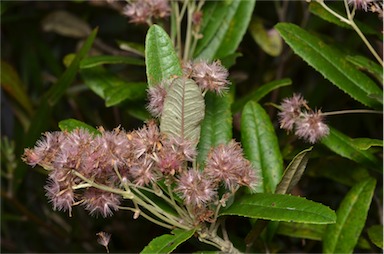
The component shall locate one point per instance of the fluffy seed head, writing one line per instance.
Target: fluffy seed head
(225, 163)
(290, 111)
(195, 189)
(156, 97)
(210, 77)
(100, 202)
(311, 127)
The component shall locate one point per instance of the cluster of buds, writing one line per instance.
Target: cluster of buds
(208, 76)
(80, 162)
(143, 11)
(308, 124)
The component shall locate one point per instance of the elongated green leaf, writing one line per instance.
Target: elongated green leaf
(319, 11)
(93, 61)
(72, 124)
(223, 28)
(365, 64)
(293, 172)
(375, 233)
(183, 110)
(302, 230)
(331, 63)
(343, 145)
(136, 48)
(351, 215)
(11, 83)
(168, 243)
(128, 91)
(278, 207)
(366, 143)
(259, 93)
(216, 128)
(261, 146)
(58, 89)
(160, 57)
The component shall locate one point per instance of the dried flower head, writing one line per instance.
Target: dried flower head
(290, 111)
(156, 97)
(210, 77)
(311, 127)
(100, 202)
(360, 4)
(61, 195)
(142, 11)
(103, 239)
(225, 163)
(195, 189)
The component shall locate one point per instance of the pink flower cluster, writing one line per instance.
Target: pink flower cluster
(142, 11)
(139, 158)
(309, 125)
(209, 77)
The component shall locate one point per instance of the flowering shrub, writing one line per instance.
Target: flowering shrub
(199, 150)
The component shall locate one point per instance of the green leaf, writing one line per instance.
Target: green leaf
(366, 143)
(11, 83)
(168, 243)
(268, 40)
(259, 93)
(351, 215)
(216, 128)
(367, 65)
(344, 146)
(128, 91)
(293, 172)
(136, 48)
(375, 233)
(72, 124)
(93, 61)
(223, 28)
(319, 11)
(302, 230)
(183, 110)
(261, 146)
(58, 89)
(160, 57)
(278, 207)
(331, 63)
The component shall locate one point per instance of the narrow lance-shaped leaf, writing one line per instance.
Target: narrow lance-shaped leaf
(160, 57)
(128, 91)
(351, 216)
(261, 146)
(216, 128)
(293, 172)
(168, 243)
(259, 93)
(223, 28)
(93, 61)
(278, 207)
(344, 146)
(331, 63)
(183, 110)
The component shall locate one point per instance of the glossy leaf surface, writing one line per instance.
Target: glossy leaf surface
(261, 146)
(167, 243)
(351, 215)
(344, 146)
(216, 128)
(160, 57)
(278, 207)
(223, 27)
(93, 61)
(331, 63)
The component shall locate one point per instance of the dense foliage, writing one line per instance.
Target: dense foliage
(252, 126)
